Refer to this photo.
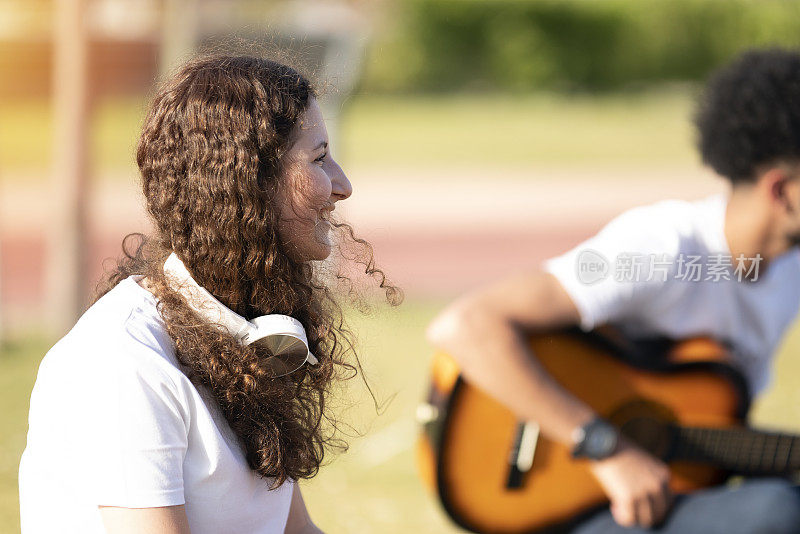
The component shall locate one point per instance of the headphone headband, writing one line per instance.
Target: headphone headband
(211, 309)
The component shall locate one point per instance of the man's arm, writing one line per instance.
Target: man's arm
(487, 331)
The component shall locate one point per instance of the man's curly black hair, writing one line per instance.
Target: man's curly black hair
(749, 115)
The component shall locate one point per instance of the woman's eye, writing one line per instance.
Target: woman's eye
(321, 159)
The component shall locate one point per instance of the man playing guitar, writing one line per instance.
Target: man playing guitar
(727, 267)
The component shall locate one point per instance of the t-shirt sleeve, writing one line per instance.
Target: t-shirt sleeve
(134, 437)
(609, 275)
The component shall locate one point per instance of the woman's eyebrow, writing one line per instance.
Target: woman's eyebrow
(322, 144)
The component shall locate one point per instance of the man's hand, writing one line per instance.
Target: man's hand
(637, 484)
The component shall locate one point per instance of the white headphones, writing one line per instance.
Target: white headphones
(282, 335)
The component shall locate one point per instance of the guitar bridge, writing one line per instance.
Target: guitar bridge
(520, 460)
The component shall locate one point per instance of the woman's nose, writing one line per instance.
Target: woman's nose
(341, 186)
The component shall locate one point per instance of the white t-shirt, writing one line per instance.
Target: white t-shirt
(669, 296)
(113, 421)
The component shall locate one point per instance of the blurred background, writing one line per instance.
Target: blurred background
(481, 137)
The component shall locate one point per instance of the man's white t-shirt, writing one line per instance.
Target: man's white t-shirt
(114, 422)
(640, 273)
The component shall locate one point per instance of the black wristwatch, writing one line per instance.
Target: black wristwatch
(595, 440)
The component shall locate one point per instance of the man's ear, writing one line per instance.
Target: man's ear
(774, 182)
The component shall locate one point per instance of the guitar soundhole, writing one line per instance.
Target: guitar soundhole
(648, 424)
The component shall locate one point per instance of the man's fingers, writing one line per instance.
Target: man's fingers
(624, 513)
(663, 503)
(644, 511)
(660, 502)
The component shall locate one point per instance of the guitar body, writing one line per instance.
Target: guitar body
(464, 452)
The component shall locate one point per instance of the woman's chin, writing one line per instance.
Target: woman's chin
(317, 252)
(316, 246)
(323, 253)
(324, 244)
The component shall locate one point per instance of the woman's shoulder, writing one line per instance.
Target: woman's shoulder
(122, 331)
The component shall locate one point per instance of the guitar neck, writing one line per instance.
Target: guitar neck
(741, 450)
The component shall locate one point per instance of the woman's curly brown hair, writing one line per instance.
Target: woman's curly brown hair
(211, 158)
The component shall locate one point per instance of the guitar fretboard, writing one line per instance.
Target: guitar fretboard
(741, 450)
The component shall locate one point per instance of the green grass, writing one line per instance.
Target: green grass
(534, 130)
(19, 360)
(443, 132)
(374, 487)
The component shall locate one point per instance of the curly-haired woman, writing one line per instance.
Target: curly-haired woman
(173, 405)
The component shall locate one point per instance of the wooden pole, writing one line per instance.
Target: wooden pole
(2, 311)
(180, 23)
(67, 277)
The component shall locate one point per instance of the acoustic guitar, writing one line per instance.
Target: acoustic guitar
(680, 401)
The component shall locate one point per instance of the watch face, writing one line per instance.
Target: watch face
(600, 442)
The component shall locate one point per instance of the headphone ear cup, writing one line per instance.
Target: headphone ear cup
(283, 354)
(280, 338)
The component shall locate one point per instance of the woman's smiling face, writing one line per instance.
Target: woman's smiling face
(314, 182)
